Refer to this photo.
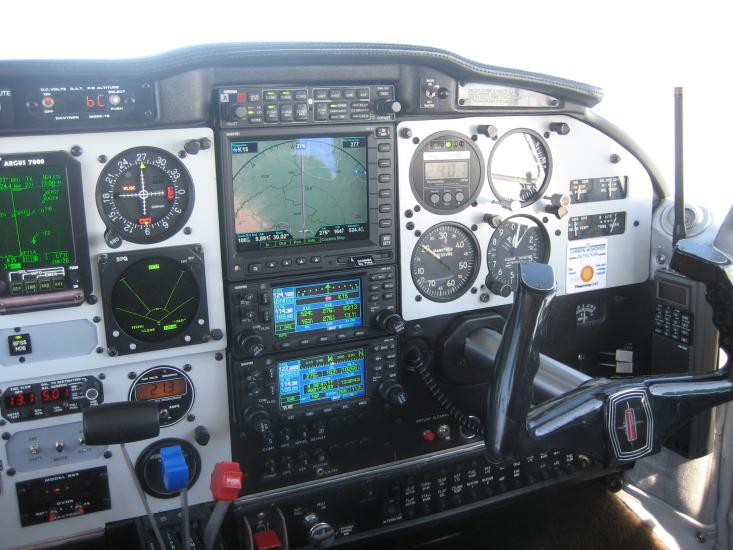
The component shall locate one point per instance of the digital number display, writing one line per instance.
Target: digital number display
(332, 305)
(446, 170)
(172, 387)
(299, 191)
(20, 400)
(322, 378)
(56, 394)
(35, 218)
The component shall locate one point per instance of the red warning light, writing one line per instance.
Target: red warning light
(145, 221)
(241, 97)
(170, 193)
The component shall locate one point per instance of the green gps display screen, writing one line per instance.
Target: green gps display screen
(35, 218)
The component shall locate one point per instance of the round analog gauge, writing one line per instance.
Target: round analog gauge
(446, 172)
(155, 300)
(518, 240)
(444, 262)
(167, 386)
(520, 166)
(144, 195)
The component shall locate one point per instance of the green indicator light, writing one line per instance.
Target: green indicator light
(18, 338)
(153, 267)
(173, 326)
(448, 144)
(15, 266)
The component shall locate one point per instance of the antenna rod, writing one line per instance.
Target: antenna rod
(679, 231)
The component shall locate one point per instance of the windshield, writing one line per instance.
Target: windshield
(636, 51)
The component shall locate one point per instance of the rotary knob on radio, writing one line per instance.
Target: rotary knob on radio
(393, 392)
(390, 322)
(257, 418)
(250, 344)
(387, 106)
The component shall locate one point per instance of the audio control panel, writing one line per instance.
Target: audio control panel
(281, 314)
(249, 106)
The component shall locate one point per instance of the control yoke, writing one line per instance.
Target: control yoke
(611, 420)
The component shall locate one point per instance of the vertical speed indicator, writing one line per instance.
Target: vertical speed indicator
(444, 262)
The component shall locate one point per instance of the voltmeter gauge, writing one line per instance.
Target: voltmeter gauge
(518, 240)
(144, 195)
(589, 313)
(519, 166)
(444, 262)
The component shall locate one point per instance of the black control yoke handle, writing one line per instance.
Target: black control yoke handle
(517, 360)
(611, 420)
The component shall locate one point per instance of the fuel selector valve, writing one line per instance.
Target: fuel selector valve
(393, 392)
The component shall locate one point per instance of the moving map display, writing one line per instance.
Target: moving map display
(299, 191)
(35, 218)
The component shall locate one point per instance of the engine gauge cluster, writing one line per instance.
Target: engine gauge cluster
(510, 190)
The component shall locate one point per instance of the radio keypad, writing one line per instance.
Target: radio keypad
(673, 323)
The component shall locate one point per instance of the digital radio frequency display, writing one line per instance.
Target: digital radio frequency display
(35, 218)
(328, 377)
(299, 191)
(332, 305)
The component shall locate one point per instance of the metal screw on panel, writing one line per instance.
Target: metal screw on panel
(415, 140)
(615, 159)
(187, 367)
(131, 375)
(103, 258)
(191, 418)
(11, 471)
(187, 230)
(102, 376)
(410, 226)
(100, 350)
(107, 454)
(408, 213)
(418, 232)
(6, 436)
(417, 208)
(96, 319)
(661, 258)
(217, 334)
(102, 159)
(76, 151)
(484, 298)
(182, 154)
(700, 537)
(218, 356)
(418, 298)
(92, 299)
(558, 232)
